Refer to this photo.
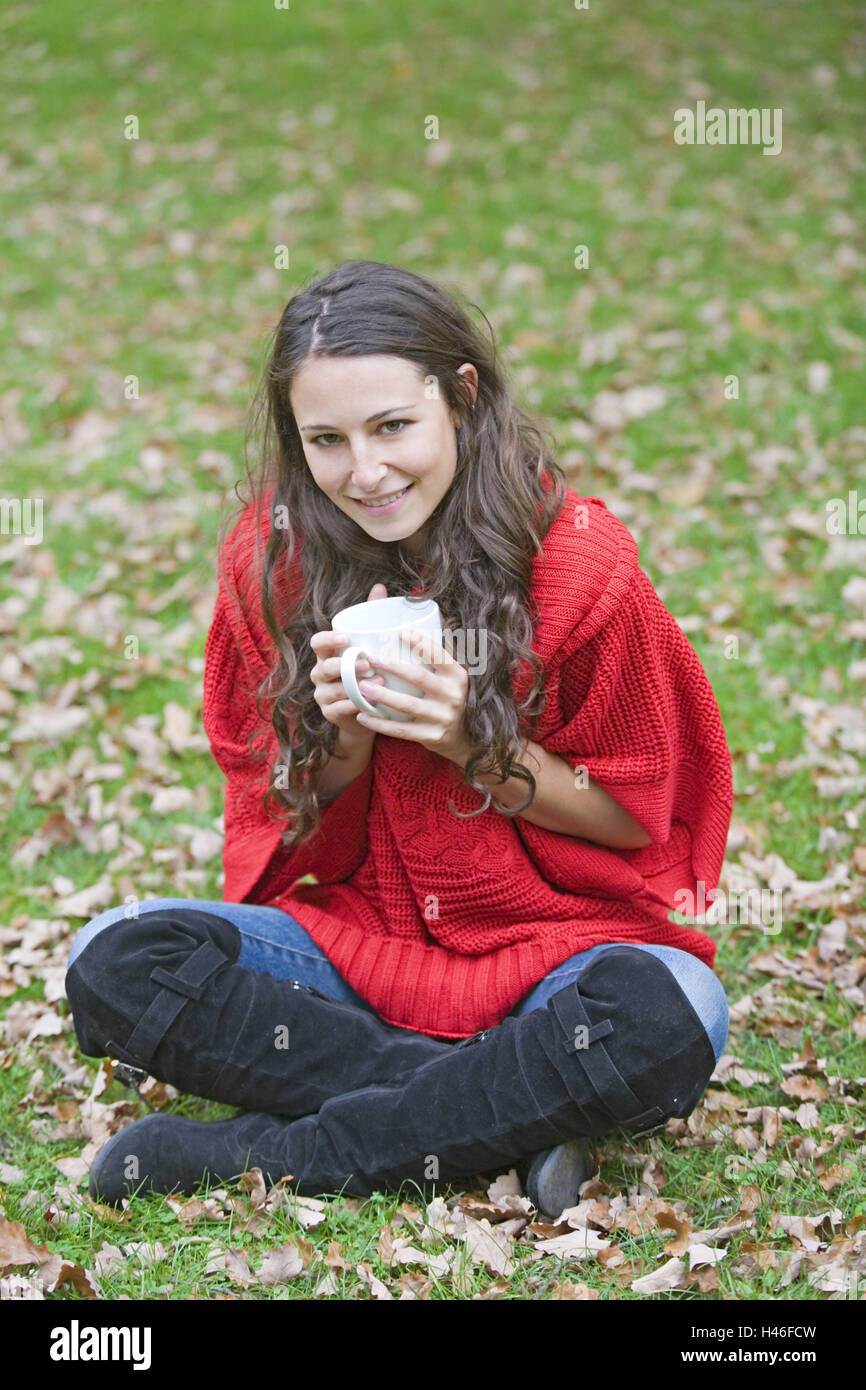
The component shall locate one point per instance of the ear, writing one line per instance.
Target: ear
(470, 373)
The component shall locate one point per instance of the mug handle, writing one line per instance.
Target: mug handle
(349, 679)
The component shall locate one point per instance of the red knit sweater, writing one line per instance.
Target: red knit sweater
(441, 924)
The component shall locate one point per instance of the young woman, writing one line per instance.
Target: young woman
(498, 868)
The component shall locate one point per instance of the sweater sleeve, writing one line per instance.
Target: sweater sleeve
(236, 661)
(636, 711)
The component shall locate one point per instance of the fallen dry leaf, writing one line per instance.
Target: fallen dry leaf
(805, 1229)
(57, 1271)
(498, 1289)
(565, 1289)
(699, 1254)
(705, 1279)
(653, 1174)
(147, 1253)
(107, 1258)
(807, 1116)
(16, 1247)
(326, 1287)
(668, 1219)
(76, 1169)
(771, 1126)
(804, 1088)
(578, 1245)
(730, 1068)
(377, 1288)
(307, 1211)
(334, 1258)
(669, 1276)
(488, 1246)
(253, 1182)
(286, 1262)
(21, 1287)
(190, 1210)
(414, 1285)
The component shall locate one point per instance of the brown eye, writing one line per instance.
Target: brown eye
(319, 437)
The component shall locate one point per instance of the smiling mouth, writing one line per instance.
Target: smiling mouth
(375, 503)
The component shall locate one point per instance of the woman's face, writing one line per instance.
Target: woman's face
(369, 431)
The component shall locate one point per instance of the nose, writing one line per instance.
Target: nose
(367, 472)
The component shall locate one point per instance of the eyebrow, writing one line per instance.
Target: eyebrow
(370, 418)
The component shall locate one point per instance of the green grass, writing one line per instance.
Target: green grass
(261, 127)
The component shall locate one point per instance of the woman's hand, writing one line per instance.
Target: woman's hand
(439, 714)
(329, 693)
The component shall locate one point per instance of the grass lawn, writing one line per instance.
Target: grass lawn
(140, 290)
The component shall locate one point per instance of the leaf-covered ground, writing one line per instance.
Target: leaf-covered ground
(141, 284)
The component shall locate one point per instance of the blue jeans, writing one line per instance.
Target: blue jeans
(276, 943)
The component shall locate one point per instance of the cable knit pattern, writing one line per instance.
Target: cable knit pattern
(444, 925)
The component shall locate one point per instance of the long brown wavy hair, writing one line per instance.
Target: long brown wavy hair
(481, 537)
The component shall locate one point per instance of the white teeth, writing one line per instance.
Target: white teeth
(383, 501)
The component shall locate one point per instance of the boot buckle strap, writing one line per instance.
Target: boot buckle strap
(125, 1072)
(601, 1072)
(598, 1030)
(177, 983)
(129, 1076)
(188, 983)
(192, 976)
(658, 1122)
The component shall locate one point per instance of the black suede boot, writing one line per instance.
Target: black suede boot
(620, 1047)
(161, 992)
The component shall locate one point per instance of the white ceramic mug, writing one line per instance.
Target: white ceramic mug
(374, 627)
